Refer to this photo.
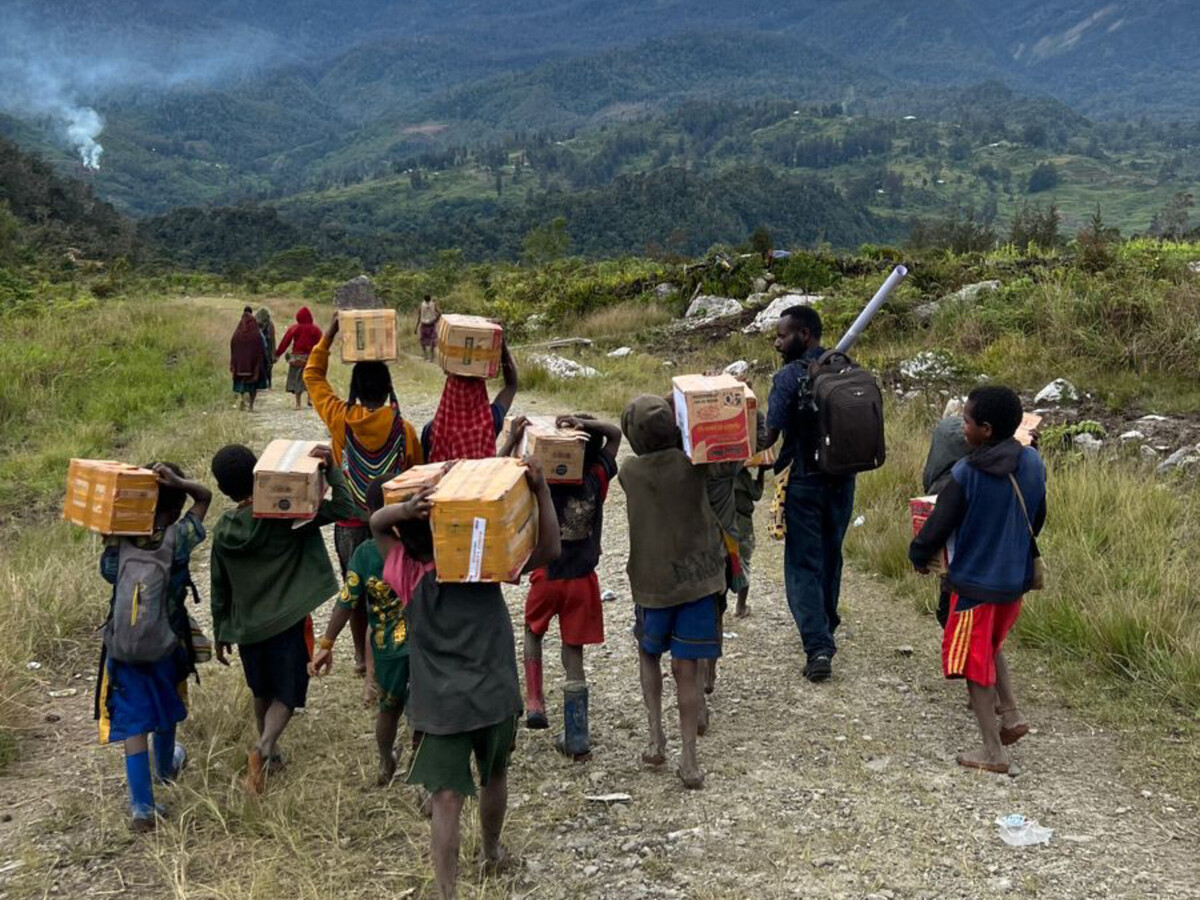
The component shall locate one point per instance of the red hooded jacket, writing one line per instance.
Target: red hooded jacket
(301, 337)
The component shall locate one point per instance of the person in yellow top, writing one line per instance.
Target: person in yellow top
(370, 439)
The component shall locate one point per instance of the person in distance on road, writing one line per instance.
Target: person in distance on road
(301, 337)
(428, 316)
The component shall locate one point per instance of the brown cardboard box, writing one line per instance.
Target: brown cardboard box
(762, 459)
(559, 451)
(1029, 424)
(368, 335)
(412, 480)
(484, 521)
(288, 482)
(711, 411)
(921, 508)
(469, 345)
(506, 429)
(110, 497)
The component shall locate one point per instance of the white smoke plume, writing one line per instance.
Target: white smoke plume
(83, 127)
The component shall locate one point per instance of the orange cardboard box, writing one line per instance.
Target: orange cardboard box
(368, 335)
(288, 482)
(762, 459)
(559, 451)
(506, 429)
(921, 508)
(484, 521)
(469, 345)
(711, 411)
(412, 480)
(110, 497)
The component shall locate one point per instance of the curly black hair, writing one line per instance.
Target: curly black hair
(998, 406)
(233, 467)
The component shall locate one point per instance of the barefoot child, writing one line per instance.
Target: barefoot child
(988, 514)
(143, 682)
(464, 696)
(267, 577)
(676, 572)
(387, 635)
(569, 587)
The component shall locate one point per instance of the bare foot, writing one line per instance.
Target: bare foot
(255, 781)
(1013, 726)
(387, 770)
(497, 863)
(691, 776)
(980, 759)
(741, 612)
(655, 753)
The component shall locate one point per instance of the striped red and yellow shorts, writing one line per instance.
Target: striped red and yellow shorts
(973, 637)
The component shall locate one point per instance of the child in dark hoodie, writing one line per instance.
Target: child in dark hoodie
(676, 572)
(987, 516)
(268, 575)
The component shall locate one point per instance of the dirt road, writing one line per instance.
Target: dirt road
(843, 790)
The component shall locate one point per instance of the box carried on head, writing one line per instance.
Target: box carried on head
(469, 345)
(413, 480)
(713, 412)
(368, 335)
(109, 497)
(288, 481)
(484, 521)
(559, 451)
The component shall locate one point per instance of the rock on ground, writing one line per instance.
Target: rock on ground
(737, 369)
(707, 306)
(768, 318)
(1058, 391)
(1183, 458)
(966, 296)
(929, 364)
(621, 352)
(561, 367)
(357, 293)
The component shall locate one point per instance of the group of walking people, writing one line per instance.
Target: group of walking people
(253, 353)
(444, 653)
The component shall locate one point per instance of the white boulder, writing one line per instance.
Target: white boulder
(737, 369)
(1134, 435)
(708, 307)
(665, 290)
(768, 318)
(1058, 391)
(929, 364)
(1088, 443)
(561, 367)
(620, 352)
(966, 296)
(1183, 458)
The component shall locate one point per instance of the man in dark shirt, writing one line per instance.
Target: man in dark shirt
(817, 508)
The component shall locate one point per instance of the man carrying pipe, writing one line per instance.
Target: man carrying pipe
(816, 506)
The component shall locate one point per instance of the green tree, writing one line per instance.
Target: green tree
(546, 243)
(760, 242)
(1172, 220)
(1044, 177)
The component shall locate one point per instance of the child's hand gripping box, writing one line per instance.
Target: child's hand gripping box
(368, 335)
(469, 345)
(414, 479)
(288, 481)
(559, 451)
(711, 411)
(484, 521)
(921, 508)
(110, 497)
(506, 428)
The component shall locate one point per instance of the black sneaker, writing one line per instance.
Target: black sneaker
(819, 668)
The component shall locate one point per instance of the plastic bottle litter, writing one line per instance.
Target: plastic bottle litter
(860, 521)
(1018, 831)
(608, 596)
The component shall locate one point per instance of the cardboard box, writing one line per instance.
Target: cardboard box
(288, 482)
(1029, 424)
(711, 411)
(368, 335)
(506, 428)
(559, 451)
(469, 345)
(110, 497)
(484, 521)
(921, 508)
(412, 480)
(762, 459)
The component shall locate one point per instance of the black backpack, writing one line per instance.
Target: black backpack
(849, 410)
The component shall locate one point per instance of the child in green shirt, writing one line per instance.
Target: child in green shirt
(387, 636)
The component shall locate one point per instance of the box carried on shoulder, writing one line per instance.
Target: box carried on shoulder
(288, 481)
(469, 345)
(109, 497)
(368, 335)
(412, 480)
(712, 413)
(484, 521)
(849, 407)
(559, 451)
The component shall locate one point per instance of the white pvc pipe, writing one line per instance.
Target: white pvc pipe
(865, 317)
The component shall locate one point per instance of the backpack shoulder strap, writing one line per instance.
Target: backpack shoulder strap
(1021, 500)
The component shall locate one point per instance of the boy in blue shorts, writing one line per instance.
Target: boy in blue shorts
(676, 572)
(148, 653)
(987, 516)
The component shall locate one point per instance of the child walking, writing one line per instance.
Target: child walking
(464, 696)
(147, 653)
(365, 587)
(267, 577)
(988, 515)
(569, 587)
(676, 572)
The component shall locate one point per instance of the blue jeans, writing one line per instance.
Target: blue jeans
(818, 511)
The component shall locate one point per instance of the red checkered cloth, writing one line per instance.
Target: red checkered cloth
(462, 426)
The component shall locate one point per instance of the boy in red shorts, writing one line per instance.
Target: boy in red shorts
(988, 517)
(569, 587)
